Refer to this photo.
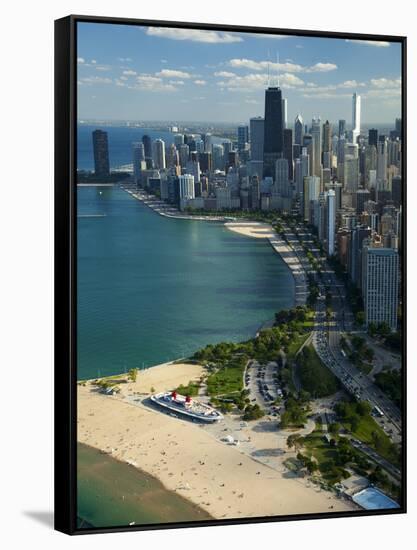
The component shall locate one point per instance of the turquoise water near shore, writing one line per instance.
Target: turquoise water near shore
(152, 289)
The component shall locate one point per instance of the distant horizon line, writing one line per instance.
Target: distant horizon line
(87, 122)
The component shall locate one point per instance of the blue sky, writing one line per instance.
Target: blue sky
(149, 73)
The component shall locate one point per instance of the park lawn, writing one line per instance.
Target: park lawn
(296, 344)
(190, 389)
(228, 379)
(316, 446)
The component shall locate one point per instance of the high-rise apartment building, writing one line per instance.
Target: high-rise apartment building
(101, 153)
(242, 137)
(380, 284)
(256, 138)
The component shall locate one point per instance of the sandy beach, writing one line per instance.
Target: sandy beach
(190, 458)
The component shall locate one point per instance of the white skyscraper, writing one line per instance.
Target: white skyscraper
(284, 113)
(356, 116)
(186, 184)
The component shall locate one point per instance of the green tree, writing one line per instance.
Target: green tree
(334, 428)
(295, 441)
(132, 374)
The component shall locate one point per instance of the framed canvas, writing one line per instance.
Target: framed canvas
(230, 256)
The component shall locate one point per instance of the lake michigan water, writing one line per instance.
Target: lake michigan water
(153, 289)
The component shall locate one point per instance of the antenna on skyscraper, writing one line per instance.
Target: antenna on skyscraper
(269, 55)
(277, 54)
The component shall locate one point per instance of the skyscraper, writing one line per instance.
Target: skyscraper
(101, 153)
(316, 133)
(310, 194)
(186, 186)
(380, 280)
(256, 138)
(159, 154)
(284, 113)
(138, 159)
(373, 137)
(342, 128)
(381, 163)
(298, 130)
(330, 221)
(288, 152)
(147, 143)
(242, 137)
(327, 137)
(356, 116)
(273, 130)
(282, 177)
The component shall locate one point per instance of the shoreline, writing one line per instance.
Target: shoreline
(248, 228)
(126, 495)
(161, 208)
(192, 459)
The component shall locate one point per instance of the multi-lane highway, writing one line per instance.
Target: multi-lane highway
(327, 334)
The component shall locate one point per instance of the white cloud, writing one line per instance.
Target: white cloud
(93, 61)
(171, 73)
(129, 72)
(287, 67)
(95, 80)
(321, 68)
(195, 35)
(152, 83)
(176, 82)
(124, 59)
(263, 65)
(252, 101)
(375, 43)
(200, 82)
(386, 83)
(80, 60)
(258, 81)
(384, 92)
(351, 84)
(314, 94)
(225, 74)
(164, 60)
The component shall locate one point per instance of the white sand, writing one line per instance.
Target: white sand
(189, 459)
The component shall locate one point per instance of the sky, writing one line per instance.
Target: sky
(128, 72)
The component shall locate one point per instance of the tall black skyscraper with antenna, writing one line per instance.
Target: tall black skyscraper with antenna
(273, 130)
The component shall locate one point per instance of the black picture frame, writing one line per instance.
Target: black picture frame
(65, 270)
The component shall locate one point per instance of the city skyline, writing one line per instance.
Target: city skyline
(221, 76)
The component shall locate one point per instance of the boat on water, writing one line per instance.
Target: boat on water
(184, 405)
